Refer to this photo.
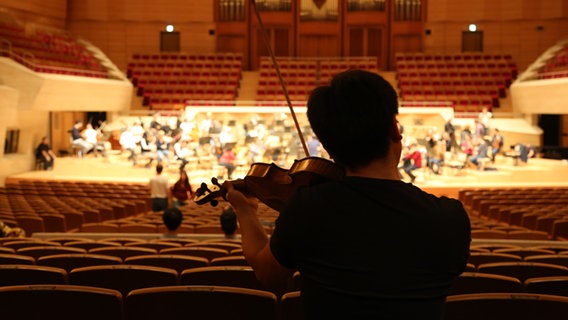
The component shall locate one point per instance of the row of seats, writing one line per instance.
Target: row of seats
(182, 66)
(542, 210)
(302, 75)
(199, 302)
(154, 57)
(557, 63)
(522, 257)
(49, 52)
(220, 74)
(424, 77)
(220, 267)
(39, 206)
(217, 302)
(556, 67)
(467, 56)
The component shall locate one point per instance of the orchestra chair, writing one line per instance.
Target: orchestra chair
(7, 250)
(557, 259)
(121, 240)
(90, 244)
(523, 270)
(31, 224)
(54, 222)
(123, 278)
(556, 248)
(470, 267)
(19, 244)
(101, 227)
(18, 274)
(153, 245)
(557, 286)
(525, 252)
(229, 261)
(222, 240)
(200, 302)
(172, 261)
(12, 258)
(478, 258)
(204, 252)
(218, 245)
(236, 252)
(212, 228)
(181, 241)
(62, 302)
(228, 276)
(11, 239)
(499, 306)
(123, 252)
(291, 306)
(63, 240)
(528, 235)
(71, 261)
(560, 229)
(488, 234)
(475, 282)
(37, 252)
(138, 228)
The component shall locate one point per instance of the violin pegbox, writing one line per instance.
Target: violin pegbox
(205, 194)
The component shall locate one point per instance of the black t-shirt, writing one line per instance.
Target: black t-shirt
(40, 148)
(75, 133)
(372, 249)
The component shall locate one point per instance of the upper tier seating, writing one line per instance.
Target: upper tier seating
(169, 79)
(98, 207)
(470, 81)
(301, 75)
(49, 52)
(557, 66)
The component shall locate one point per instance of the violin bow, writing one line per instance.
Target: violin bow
(277, 68)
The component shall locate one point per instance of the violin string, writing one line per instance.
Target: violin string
(277, 68)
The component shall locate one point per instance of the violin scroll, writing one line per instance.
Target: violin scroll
(204, 194)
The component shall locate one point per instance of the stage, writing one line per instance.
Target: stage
(537, 172)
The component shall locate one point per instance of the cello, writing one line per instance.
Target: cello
(270, 183)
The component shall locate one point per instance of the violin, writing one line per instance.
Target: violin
(272, 184)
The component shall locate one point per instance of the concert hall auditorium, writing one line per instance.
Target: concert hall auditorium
(97, 97)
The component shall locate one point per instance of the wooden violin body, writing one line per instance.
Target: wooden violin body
(274, 185)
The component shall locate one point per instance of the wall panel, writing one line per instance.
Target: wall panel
(37, 12)
(124, 27)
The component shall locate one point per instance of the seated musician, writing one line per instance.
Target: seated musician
(412, 160)
(77, 139)
(45, 155)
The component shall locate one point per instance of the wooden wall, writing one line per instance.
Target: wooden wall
(524, 28)
(508, 26)
(52, 13)
(123, 27)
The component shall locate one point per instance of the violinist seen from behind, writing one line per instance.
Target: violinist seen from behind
(368, 246)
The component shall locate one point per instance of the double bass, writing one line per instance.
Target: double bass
(270, 183)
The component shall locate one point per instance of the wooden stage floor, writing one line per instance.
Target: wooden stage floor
(537, 173)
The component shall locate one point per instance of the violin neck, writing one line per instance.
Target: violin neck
(240, 185)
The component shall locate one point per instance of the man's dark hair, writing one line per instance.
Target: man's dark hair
(172, 218)
(353, 117)
(228, 221)
(159, 168)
